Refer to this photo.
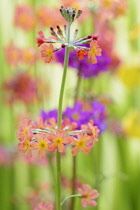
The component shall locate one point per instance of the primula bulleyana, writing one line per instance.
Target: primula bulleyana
(92, 130)
(59, 140)
(25, 130)
(94, 51)
(26, 146)
(81, 53)
(47, 52)
(42, 144)
(88, 195)
(83, 144)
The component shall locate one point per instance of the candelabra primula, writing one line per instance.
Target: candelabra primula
(59, 37)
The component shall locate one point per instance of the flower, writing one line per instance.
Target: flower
(42, 144)
(88, 195)
(25, 130)
(13, 54)
(29, 56)
(83, 67)
(81, 53)
(47, 52)
(21, 87)
(83, 144)
(131, 124)
(92, 130)
(44, 206)
(94, 51)
(59, 140)
(26, 146)
(24, 17)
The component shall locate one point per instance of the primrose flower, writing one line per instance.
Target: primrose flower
(92, 130)
(47, 52)
(26, 146)
(81, 53)
(59, 140)
(88, 195)
(44, 206)
(42, 144)
(94, 51)
(24, 17)
(29, 56)
(83, 143)
(59, 37)
(25, 129)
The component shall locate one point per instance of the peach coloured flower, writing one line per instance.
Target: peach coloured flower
(29, 56)
(88, 195)
(81, 53)
(68, 125)
(59, 140)
(94, 51)
(46, 17)
(83, 144)
(40, 123)
(26, 146)
(47, 52)
(41, 39)
(92, 130)
(13, 54)
(24, 17)
(42, 144)
(25, 129)
(44, 206)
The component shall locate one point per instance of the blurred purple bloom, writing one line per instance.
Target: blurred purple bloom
(85, 68)
(51, 114)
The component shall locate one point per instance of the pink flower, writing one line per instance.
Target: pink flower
(26, 146)
(94, 51)
(91, 130)
(25, 130)
(88, 195)
(24, 17)
(44, 206)
(47, 52)
(42, 144)
(81, 53)
(59, 140)
(83, 144)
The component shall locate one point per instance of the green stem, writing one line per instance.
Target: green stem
(74, 165)
(70, 196)
(58, 156)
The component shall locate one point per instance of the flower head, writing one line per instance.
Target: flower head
(94, 51)
(88, 195)
(83, 143)
(59, 140)
(47, 52)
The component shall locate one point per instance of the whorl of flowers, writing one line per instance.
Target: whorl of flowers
(59, 37)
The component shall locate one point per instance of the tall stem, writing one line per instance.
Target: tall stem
(74, 165)
(58, 156)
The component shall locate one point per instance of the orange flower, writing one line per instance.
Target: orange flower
(81, 53)
(59, 140)
(88, 195)
(47, 52)
(83, 143)
(94, 51)
(25, 129)
(42, 144)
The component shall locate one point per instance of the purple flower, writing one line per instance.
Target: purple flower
(76, 114)
(97, 113)
(83, 67)
(51, 114)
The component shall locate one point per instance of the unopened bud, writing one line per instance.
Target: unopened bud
(63, 45)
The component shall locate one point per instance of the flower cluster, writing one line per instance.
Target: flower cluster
(59, 37)
(83, 67)
(44, 136)
(21, 87)
(81, 114)
(16, 55)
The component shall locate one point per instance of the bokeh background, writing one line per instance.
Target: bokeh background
(113, 167)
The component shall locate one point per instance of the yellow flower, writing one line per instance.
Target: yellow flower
(129, 75)
(131, 124)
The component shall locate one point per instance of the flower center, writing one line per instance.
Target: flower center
(76, 116)
(43, 145)
(81, 143)
(58, 141)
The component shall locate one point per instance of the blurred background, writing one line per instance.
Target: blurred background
(30, 88)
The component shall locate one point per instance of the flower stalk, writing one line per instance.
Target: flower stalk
(58, 155)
